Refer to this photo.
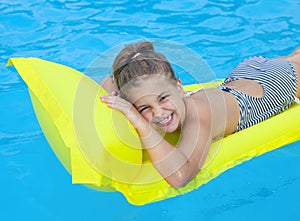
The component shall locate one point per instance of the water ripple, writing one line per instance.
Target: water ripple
(258, 195)
(8, 140)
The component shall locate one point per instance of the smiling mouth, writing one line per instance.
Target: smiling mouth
(167, 121)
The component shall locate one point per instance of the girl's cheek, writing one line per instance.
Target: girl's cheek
(168, 104)
(147, 116)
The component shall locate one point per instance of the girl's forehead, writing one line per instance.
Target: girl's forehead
(154, 84)
(145, 88)
(154, 78)
(148, 82)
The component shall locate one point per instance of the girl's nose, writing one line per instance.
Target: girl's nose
(157, 111)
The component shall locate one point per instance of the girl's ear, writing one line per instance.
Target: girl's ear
(179, 86)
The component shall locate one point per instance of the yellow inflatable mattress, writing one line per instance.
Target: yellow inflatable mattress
(100, 148)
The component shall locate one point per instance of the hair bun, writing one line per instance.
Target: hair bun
(145, 46)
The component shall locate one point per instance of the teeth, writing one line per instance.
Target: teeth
(165, 120)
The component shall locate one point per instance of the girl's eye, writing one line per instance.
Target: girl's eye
(162, 98)
(143, 109)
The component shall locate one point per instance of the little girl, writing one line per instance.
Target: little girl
(144, 88)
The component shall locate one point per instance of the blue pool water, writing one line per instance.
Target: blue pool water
(35, 186)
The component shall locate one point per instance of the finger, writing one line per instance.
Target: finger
(116, 102)
(107, 98)
(111, 99)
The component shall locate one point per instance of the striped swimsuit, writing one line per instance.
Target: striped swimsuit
(279, 81)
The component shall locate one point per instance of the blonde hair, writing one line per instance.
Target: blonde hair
(138, 60)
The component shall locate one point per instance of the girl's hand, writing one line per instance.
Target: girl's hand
(120, 104)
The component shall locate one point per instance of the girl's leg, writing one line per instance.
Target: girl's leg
(295, 59)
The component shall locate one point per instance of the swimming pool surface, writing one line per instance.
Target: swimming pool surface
(35, 186)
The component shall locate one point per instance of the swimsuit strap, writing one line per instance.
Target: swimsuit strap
(188, 94)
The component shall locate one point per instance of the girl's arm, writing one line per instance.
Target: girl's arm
(177, 165)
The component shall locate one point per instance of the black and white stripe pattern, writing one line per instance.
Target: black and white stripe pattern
(279, 81)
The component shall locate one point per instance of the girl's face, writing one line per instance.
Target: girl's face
(160, 101)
